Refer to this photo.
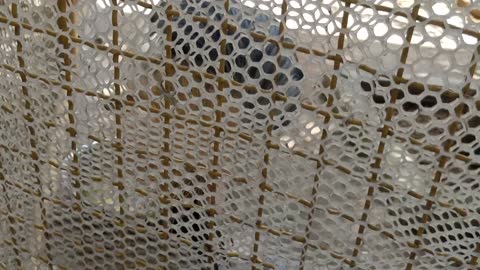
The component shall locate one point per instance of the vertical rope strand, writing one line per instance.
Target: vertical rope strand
(65, 43)
(381, 146)
(264, 170)
(219, 114)
(118, 107)
(330, 100)
(169, 71)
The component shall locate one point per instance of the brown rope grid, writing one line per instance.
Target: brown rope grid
(307, 203)
(363, 67)
(384, 133)
(139, 262)
(153, 109)
(241, 135)
(245, 136)
(377, 7)
(258, 36)
(272, 231)
(276, 96)
(296, 238)
(166, 159)
(442, 163)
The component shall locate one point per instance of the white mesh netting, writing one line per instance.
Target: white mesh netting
(239, 134)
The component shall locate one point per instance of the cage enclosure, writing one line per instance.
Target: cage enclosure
(239, 134)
